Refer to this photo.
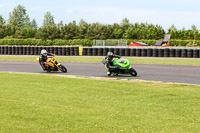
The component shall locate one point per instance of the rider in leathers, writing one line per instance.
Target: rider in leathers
(43, 58)
(109, 62)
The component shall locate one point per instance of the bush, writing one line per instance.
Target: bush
(87, 42)
(40, 42)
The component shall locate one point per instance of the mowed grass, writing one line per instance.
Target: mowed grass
(47, 103)
(177, 61)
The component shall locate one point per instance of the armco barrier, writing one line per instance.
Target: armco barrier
(96, 51)
(19, 50)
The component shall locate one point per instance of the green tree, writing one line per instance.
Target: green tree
(60, 27)
(71, 31)
(118, 33)
(195, 32)
(2, 27)
(48, 19)
(94, 31)
(83, 29)
(49, 30)
(130, 34)
(125, 24)
(2, 21)
(18, 19)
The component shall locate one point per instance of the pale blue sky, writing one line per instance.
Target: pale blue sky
(181, 13)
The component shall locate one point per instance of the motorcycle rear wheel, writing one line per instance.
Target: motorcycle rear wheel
(63, 68)
(132, 72)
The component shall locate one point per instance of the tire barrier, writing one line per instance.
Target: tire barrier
(116, 51)
(105, 51)
(138, 52)
(59, 51)
(94, 51)
(9, 52)
(184, 53)
(67, 51)
(89, 51)
(133, 52)
(171, 52)
(122, 51)
(166, 52)
(111, 50)
(76, 51)
(160, 52)
(19, 50)
(155, 52)
(13, 51)
(190, 53)
(100, 51)
(178, 53)
(144, 52)
(196, 53)
(85, 51)
(149, 52)
(127, 52)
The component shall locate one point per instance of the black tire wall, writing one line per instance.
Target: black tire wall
(147, 52)
(19, 50)
(94, 51)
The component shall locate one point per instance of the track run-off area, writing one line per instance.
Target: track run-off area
(189, 74)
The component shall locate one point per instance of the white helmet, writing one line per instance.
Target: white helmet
(44, 52)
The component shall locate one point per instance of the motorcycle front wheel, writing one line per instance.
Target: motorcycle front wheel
(63, 68)
(132, 72)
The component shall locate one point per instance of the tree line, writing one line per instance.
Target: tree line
(20, 26)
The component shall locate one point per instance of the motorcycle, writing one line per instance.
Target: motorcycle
(124, 67)
(53, 65)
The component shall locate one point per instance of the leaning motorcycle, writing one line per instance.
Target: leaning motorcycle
(124, 67)
(53, 65)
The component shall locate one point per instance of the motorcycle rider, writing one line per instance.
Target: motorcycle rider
(43, 58)
(109, 62)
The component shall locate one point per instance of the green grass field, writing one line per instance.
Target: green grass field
(48, 103)
(177, 61)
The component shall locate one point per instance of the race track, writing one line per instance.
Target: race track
(167, 73)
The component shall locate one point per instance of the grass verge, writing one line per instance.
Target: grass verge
(47, 103)
(99, 59)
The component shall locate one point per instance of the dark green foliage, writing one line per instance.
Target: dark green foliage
(87, 42)
(40, 42)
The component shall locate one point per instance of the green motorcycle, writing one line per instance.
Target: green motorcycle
(124, 67)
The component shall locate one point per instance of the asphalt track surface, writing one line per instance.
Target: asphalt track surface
(151, 72)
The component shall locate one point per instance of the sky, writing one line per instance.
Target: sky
(181, 13)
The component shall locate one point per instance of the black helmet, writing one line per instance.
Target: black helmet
(110, 55)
